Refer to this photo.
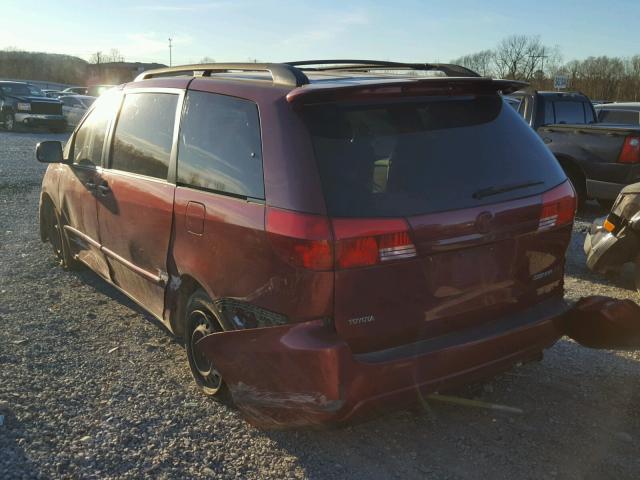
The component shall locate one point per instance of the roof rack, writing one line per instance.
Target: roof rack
(449, 69)
(281, 73)
(291, 74)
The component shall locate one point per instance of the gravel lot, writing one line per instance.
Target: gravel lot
(92, 387)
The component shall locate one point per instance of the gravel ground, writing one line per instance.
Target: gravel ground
(92, 387)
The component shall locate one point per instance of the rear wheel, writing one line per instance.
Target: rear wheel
(579, 185)
(605, 204)
(200, 321)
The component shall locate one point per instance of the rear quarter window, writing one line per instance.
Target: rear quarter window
(220, 146)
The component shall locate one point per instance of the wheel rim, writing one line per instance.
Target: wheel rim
(202, 325)
(55, 237)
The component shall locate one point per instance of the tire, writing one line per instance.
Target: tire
(200, 319)
(9, 122)
(59, 241)
(579, 185)
(606, 204)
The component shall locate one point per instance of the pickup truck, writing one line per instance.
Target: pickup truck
(599, 158)
(22, 104)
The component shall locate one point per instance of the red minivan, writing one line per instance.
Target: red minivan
(329, 238)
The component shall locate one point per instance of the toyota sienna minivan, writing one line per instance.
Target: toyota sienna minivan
(329, 238)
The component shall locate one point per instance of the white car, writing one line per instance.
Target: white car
(74, 107)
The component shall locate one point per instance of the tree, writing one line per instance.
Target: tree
(207, 60)
(481, 62)
(518, 57)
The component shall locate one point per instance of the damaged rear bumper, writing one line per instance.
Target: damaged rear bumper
(304, 374)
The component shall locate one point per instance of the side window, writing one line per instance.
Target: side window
(220, 146)
(89, 139)
(144, 134)
(569, 112)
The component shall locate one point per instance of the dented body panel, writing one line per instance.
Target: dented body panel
(305, 374)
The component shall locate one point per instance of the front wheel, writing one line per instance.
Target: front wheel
(9, 122)
(201, 320)
(59, 241)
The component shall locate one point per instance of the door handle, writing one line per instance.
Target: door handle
(104, 189)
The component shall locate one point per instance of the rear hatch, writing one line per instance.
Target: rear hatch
(447, 212)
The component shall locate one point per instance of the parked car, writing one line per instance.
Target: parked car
(97, 90)
(619, 113)
(614, 240)
(75, 91)
(74, 107)
(52, 93)
(598, 158)
(328, 240)
(22, 104)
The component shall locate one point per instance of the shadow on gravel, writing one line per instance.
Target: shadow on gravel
(580, 421)
(14, 462)
(93, 280)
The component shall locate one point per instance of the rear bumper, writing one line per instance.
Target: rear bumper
(604, 190)
(36, 120)
(303, 374)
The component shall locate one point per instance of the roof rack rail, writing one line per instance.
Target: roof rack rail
(450, 70)
(291, 74)
(281, 73)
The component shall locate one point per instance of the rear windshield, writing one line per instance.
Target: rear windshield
(428, 155)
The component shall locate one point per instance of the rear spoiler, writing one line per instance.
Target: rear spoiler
(323, 92)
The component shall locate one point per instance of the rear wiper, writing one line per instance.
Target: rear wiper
(489, 191)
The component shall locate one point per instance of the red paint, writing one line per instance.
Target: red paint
(363, 332)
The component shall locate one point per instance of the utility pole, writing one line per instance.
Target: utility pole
(170, 47)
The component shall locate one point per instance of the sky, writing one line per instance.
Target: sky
(400, 30)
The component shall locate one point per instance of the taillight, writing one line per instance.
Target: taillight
(630, 152)
(558, 207)
(365, 242)
(303, 240)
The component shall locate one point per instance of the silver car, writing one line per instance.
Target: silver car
(74, 107)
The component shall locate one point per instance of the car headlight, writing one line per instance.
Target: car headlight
(25, 107)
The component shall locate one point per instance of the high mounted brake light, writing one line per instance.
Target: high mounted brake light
(558, 207)
(630, 152)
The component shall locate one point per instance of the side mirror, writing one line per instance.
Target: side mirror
(49, 152)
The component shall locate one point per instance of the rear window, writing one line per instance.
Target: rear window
(619, 116)
(423, 156)
(569, 112)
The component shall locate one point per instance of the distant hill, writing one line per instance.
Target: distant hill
(54, 67)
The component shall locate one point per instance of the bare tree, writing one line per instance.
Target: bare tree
(96, 58)
(481, 62)
(207, 60)
(519, 57)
